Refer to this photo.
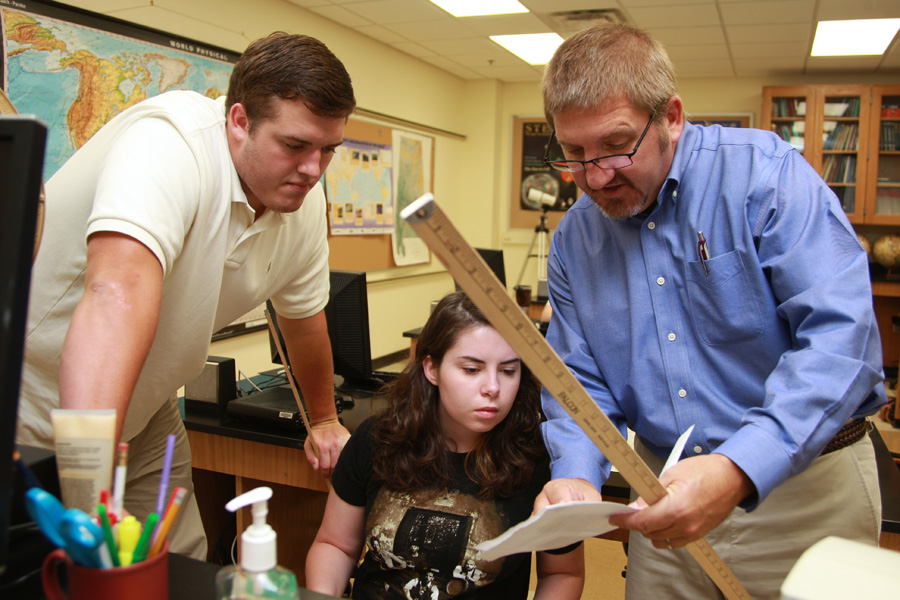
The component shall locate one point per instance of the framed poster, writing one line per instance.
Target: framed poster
(75, 70)
(535, 186)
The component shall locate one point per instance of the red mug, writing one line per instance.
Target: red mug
(146, 580)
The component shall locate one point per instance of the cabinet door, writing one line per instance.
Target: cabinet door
(788, 111)
(884, 156)
(842, 122)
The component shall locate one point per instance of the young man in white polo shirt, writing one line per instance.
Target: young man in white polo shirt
(180, 215)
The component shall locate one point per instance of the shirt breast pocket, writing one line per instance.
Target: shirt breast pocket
(723, 305)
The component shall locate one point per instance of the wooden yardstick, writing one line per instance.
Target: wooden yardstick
(490, 296)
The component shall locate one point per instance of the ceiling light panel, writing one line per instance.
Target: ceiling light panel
(857, 37)
(480, 8)
(533, 48)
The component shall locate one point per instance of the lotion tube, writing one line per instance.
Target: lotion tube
(84, 441)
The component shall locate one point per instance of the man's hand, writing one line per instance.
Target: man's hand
(702, 492)
(330, 437)
(565, 490)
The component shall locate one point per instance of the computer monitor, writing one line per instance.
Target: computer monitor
(347, 315)
(22, 142)
(494, 260)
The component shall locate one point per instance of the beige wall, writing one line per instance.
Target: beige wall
(472, 176)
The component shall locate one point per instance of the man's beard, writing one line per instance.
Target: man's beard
(620, 208)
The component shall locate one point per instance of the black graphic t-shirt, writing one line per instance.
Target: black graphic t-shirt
(421, 545)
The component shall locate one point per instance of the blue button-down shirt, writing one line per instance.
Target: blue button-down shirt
(767, 352)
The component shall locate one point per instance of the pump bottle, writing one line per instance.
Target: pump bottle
(258, 576)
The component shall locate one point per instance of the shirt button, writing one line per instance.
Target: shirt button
(660, 280)
(675, 194)
(671, 337)
(651, 225)
(682, 393)
(698, 450)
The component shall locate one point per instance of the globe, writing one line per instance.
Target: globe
(866, 244)
(886, 250)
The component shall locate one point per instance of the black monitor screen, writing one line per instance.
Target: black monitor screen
(347, 314)
(21, 161)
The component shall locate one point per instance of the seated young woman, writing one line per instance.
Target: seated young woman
(456, 458)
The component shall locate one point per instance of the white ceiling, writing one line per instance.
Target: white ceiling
(705, 38)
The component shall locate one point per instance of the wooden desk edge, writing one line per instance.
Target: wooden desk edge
(255, 460)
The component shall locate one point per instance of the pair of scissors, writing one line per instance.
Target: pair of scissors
(73, 530)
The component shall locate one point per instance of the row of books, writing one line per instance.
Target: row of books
(890, 132)
(839, 168)
(844, 136)
(788, 107)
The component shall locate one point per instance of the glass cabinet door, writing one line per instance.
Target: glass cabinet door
(842, 122)
(790, 114)
(885, 154)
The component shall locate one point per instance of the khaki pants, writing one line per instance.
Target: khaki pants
(146, 453)
(837, 494)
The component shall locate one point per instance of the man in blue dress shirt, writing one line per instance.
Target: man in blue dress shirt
(707, 277)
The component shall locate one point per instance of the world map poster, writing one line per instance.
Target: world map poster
(75, 70)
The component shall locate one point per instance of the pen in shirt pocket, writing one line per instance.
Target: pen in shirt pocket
(703, 251)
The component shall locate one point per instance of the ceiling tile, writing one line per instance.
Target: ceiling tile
(398, 11)
(474, 45)
(770, 50)
(340, 15)
(675, 16)
(380, 33)
(697, 52)
(780, 11)
(426, 31)
(522, 73)
(629, 4)
(831, 10)
(757, 34)
(688, 35)
(308, 3)
(547, 6)
(414, 49)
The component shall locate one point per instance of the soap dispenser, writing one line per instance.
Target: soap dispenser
(258, 575)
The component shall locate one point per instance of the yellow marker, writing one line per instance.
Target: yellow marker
(129, 531)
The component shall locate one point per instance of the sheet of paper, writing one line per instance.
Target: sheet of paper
(559, 525)
(555, 526)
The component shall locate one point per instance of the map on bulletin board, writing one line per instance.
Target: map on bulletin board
(75, 70)
(358, 185)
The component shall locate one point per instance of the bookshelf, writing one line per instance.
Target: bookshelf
(851, 135)
(884, 153)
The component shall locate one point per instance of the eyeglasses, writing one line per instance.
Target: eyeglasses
(613, 161)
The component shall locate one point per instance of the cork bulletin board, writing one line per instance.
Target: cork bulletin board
(365, 252)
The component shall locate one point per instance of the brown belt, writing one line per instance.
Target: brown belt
(852, 431)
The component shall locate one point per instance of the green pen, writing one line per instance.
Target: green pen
(143, 545)
(108, 534)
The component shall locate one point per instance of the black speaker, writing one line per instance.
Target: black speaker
(213, 389)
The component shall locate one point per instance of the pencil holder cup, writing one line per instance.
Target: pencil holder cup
(146, 580)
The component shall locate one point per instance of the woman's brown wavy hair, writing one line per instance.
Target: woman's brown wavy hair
(411, 448)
